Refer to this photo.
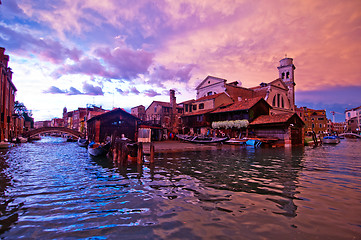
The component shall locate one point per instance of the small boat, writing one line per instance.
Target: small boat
(5, 145)
(201, 139)
(71, 139)
(331, 139)
(82, 142)
(97, 150)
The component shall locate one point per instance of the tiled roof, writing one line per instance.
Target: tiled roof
(197, 113)
(239, 106)
(269, 119)
(209, 97)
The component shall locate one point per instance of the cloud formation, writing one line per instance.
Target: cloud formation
(88, 89)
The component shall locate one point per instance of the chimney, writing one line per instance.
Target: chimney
(173, 103)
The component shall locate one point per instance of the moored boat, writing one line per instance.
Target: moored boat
(96, 150)
(331, 139)
(82, 142)
(201, 139)
(5, 145)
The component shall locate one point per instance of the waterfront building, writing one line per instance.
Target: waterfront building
(315, 120)
(286, 127)
(112, 123)
(248, 109)
(195, 118)
(280, 93)
(353, 119)
(7, 99)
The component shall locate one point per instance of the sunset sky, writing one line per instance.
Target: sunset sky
(123, 53)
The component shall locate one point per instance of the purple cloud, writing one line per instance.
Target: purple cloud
(74, 91)
(45, 48)
(134, 90)
(162, 73)
(55, 90)
(92, 90)
(126, 63)
(150, 93)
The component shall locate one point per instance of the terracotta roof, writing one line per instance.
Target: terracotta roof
(269, 119)
(197, 113)
(209, 97)
(239, 106)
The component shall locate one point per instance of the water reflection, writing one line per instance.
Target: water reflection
(270, 172)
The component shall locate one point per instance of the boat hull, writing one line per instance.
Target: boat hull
(331, 140)
(82, 142)
(97, 150)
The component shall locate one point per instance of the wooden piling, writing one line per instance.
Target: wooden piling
(151, 152)
(140, 153)
(124, 153)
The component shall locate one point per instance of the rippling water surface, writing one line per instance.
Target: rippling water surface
(53, 189)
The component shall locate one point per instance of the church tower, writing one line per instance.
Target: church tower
(286, 74)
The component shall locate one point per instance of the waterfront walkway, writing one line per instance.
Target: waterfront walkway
(178, 146)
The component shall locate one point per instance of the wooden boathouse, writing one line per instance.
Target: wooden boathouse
(112, 123)
(287, 127)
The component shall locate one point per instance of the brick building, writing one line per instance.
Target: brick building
(315, 120)
(7, 99)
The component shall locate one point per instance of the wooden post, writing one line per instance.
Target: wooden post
(140, 153)
(124, 153)
(151, 152)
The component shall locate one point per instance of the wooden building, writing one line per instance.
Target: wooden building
(113, 123)
(248, 109)
(287, 127)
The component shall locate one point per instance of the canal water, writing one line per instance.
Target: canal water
(52, 189)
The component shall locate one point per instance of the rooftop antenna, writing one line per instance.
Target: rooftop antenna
(285, 55)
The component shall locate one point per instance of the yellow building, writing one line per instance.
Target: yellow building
(315, 120)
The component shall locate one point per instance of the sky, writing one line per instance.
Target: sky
(125, 53)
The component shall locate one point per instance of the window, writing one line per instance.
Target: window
(320, 125)
(186, 108)
(283, 75)
(283, 103)
(278, 100)
(321, 118)
(288, 75)
(274, 101)
(209, 93)
(194, 107)
(201, 106)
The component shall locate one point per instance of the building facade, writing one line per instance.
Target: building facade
(315, 120)
(353, 119)
(7, 99)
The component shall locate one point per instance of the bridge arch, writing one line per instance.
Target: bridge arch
(41, 130)
(350, 134)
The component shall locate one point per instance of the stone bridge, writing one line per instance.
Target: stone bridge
(37, 131)
(350, 134)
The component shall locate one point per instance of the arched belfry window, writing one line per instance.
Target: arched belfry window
(283, 75)
(288, 75)
(278, 101)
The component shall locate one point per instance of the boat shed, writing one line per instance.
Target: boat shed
(287, 127)
(113, 123)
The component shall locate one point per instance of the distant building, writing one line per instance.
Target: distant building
(57, 122)
(77, 119)
(315, 120)
(165, 114)
(7, 99)
(39, 124)
(139, 112)
(353, 119)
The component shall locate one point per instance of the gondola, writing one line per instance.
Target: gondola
(82, 142)
(97, 150)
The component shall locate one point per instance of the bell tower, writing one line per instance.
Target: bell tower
(286, 74)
